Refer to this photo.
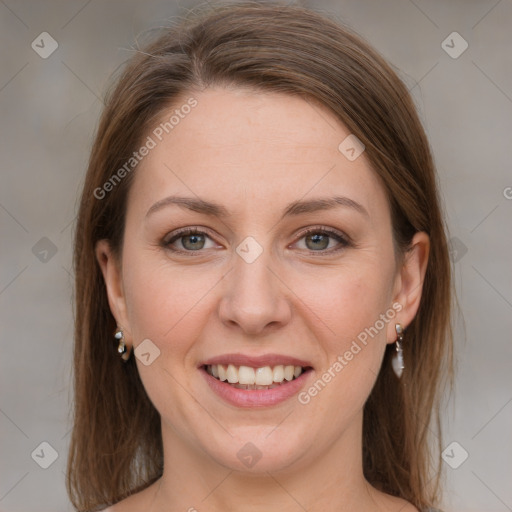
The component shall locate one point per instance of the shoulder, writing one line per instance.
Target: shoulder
(389, 503)
(126, 505)
(401, 505)
(135, 502)
(406, 506)
(430, 509)
(121, 506)
(118, 507)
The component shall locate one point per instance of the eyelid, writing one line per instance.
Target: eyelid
(327, 230)
(189, 230)
(182, 232)
(344, 241)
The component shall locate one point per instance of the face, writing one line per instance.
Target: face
(251, 281)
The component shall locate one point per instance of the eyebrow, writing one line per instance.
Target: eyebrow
(213, 209)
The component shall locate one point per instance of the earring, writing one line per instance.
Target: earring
(398, 358)
(122, 349)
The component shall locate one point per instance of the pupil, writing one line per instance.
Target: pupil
(194, 238)
(316, 238)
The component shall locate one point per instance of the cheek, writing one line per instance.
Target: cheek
(167, 306)
(164, 300)
(349, 317)
(348, 302)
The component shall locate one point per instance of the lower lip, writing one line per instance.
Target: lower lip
(256, 397)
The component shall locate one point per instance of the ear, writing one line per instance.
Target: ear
(409, 283)
(112, 275)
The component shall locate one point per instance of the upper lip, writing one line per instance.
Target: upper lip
(256, 361)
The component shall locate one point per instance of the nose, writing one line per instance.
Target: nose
(255, 298)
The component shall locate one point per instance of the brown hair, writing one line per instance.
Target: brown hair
(116, 445)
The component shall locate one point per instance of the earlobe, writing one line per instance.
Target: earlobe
(409, 281)
(111, 270)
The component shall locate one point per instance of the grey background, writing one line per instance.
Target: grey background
(49, 110)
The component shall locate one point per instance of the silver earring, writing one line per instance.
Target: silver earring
(398, 358)
(122, 349)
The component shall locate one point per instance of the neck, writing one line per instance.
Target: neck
(330, 480)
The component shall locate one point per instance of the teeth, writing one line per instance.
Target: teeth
(264, 376)
(246, 377)
(221, 371)
(232, 374)
(288, 372)
(279, 373)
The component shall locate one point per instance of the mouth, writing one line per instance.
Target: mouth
(255, 378)
(253, 381)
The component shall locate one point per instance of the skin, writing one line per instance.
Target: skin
(255, 153)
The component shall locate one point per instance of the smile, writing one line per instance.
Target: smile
(245, 386)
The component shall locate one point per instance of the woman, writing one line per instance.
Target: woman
(262, 278)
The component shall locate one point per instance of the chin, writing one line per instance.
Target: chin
(256, 451)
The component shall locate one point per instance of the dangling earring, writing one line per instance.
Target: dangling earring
(125, 352)
(398, 358)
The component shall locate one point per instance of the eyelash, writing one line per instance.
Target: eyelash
(344, 240)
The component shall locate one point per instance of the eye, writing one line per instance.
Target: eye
(192, 240)
(318, 239)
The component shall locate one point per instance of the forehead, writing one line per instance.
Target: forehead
(240, 147)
